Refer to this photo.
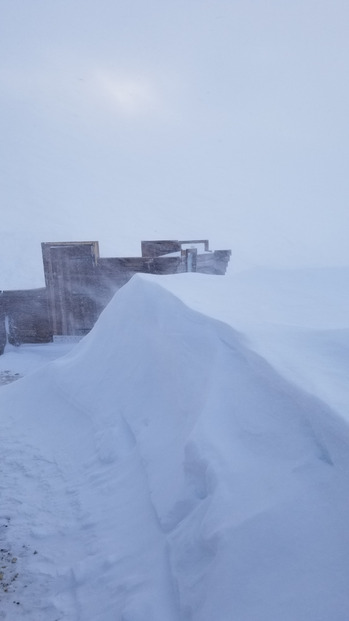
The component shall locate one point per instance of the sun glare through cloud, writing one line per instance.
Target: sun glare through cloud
(129, 95)
(226, 116)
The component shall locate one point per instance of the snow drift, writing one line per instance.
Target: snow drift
(164, 471)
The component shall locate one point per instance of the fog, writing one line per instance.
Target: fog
(161, 119)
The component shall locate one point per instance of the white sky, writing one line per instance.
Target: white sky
(225, 119)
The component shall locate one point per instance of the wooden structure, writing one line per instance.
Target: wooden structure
(80, 283)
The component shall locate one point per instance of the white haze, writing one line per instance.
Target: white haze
(161, 119)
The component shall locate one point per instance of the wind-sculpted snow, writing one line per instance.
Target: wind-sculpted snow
(162, 471)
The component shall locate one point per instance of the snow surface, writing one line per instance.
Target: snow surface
(187, 460)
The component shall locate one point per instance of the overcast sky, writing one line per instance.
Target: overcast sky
(128, 120)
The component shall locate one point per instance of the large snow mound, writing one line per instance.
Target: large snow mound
(164, 471)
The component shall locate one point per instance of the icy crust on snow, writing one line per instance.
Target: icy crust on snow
(163, 471)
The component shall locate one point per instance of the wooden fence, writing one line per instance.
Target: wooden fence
(80, 283)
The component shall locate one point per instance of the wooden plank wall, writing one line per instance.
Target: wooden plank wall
(79, 284)
(27, 317)
(213, 263)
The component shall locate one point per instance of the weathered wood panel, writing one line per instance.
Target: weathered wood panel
(27, 317)
(159, 247)
(214, 262)
(79, 284)
(69, 274)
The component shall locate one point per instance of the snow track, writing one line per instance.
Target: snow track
(40, 519)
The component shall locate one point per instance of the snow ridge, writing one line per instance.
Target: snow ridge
(174, 475)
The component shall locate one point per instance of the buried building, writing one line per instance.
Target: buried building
(80, 283)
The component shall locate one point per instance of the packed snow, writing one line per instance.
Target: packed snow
(187, 460)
